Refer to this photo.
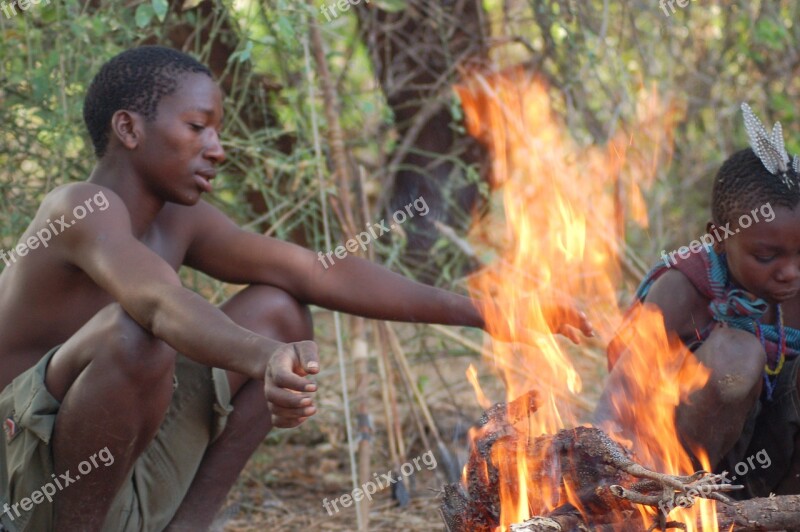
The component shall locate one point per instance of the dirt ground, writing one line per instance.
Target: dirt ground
(286, 481)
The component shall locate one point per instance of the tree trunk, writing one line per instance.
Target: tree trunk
(417, 55)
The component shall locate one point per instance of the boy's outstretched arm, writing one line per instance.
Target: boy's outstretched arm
(352, 285)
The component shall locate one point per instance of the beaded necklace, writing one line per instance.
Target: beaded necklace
(771, 374)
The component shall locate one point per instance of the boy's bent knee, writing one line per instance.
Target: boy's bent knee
(116, 346)
(135, 352)
(279, 311)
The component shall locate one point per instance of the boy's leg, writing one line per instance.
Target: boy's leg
(115, 383)
(271, 312)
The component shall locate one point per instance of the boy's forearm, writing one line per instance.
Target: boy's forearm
(363, 288)
(202, 332)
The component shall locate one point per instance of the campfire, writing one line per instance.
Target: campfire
(533, 466)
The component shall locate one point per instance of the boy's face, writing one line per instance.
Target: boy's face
(764, 259)
(180, 149)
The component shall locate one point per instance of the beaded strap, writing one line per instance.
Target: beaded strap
(768, 371)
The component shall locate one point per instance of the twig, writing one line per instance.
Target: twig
(450, 234)
(402, 360)
(349, 222)
(336, 318)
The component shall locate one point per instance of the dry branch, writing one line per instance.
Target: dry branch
(754, 515)
(771, 513)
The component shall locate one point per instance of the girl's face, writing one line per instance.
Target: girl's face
(764, 259)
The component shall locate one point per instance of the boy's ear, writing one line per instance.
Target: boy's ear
(127, 128)
(719, 243)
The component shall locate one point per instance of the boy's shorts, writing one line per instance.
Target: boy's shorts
(762, 457)
(160, 477)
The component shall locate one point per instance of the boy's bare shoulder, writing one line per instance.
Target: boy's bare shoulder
(72, 216)
(64, 199)
(685, 309)
(77, 190)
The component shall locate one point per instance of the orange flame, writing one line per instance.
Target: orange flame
(648, 406)
(565, 211)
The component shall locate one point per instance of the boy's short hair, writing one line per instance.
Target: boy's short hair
(743, 183)
(134, 80)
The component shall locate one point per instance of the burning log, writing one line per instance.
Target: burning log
(587, 481)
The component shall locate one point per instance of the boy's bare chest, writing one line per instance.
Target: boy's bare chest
(168, 242)
(67, 297)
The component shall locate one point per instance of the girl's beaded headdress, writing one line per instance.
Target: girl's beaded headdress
(770, 148)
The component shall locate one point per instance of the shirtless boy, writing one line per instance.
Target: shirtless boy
(93, 322)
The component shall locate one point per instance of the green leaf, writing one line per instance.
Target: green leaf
(269, 40)
(49, 16)
(246, 52)
(456, 111)
(241, 55)
(144, 13)
(770, 34)
(98, 26)
(391, 6)
(783, 104)
(160, 7)
(285, 28)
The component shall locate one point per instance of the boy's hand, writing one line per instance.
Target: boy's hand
(561, 318)
(568, 321)
(289, 394)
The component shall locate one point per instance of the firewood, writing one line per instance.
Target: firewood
(604, 476)
(753, 515)
(767, 513)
